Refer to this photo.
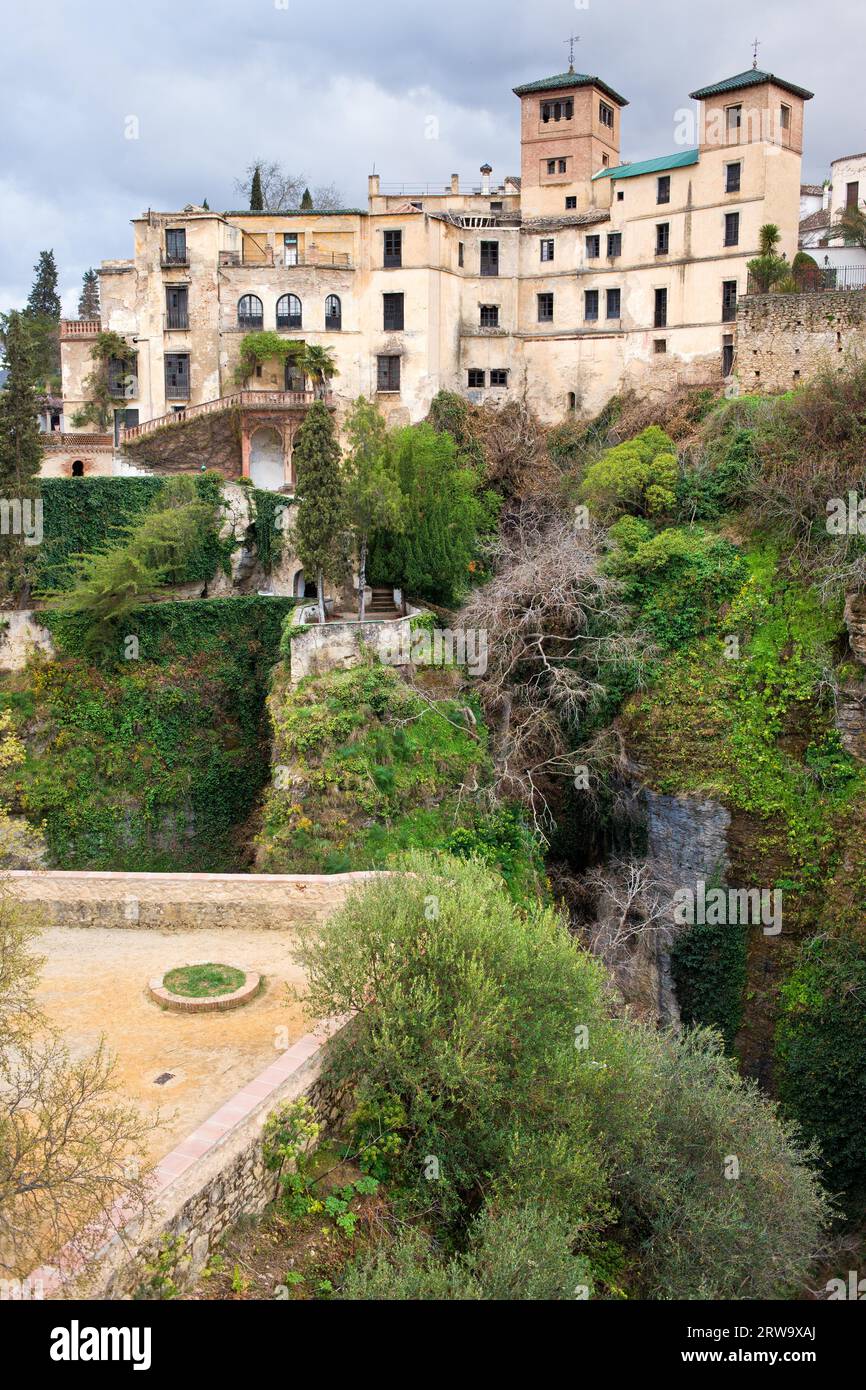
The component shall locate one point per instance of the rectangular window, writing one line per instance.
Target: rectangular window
(729, 301)
(785, 117)
(177, 376)
(122, 377)
(489, 315)
(732, 228)
(663, 189)
(614, 243)
(660, 345)
(613, 303)
(727, 354)
(393, 311)
(852, 195)
(561, 166)
(570, 203)
(175, 246)
(393, 249)
(551, 166)
(605, 114)
(593, 247)
(388, 374)
(460, 253)
(660, 317)
(475, 377)
(177, 306)
(290, 248)
(545, 308)
(490, 258)
(663, 238)
(733, 120)
(547, 250)
(590, 305)
(499, 376)
(732, 177)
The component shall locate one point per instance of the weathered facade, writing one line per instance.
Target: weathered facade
(563, 285)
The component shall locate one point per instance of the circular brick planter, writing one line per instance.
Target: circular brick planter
(214, 1003)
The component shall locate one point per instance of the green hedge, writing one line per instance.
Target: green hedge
(709, 970)
(81, 515)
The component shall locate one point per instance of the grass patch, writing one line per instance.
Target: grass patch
(203, 981)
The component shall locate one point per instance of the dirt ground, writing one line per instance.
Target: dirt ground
(94, 983)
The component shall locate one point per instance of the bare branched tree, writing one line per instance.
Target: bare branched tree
(554, 625)
(68, 1148)
(282, 190)
(633, 899)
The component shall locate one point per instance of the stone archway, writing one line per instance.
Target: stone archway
(267, 458)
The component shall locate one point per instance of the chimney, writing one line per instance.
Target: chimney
(825, 201)
(455, 183)
(486, 171)
(373, 185)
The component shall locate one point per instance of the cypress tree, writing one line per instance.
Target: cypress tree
(319, 527)
(88, 303)
(43, 318)
(20, 444)
(307, 201)
(44, 301)
(257, 202)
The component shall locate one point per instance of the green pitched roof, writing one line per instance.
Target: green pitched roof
(649, 166)
(566, 80)
(753, 77)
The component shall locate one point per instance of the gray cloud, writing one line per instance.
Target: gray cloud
(337, 89)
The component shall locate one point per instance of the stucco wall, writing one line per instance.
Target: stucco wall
(783, 339)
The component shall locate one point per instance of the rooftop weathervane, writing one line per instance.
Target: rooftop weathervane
(571, 41)
(755, 46)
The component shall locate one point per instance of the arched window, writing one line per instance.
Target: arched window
(78, 468)
(333, 312)
(289, 311)
(250, 312)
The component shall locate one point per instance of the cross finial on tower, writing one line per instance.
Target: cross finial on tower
(755, 46)
(571, 41)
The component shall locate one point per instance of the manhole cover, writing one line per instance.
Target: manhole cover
(163, 1077)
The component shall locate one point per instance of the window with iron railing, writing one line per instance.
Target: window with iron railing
(175, 246)
(177, 308)
(392, 312)
(489, 253)
(489, 316)
(177, 376)
(388, 374)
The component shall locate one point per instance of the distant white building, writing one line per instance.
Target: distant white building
(820, 206)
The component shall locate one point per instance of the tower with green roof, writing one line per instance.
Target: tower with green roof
(569, 128)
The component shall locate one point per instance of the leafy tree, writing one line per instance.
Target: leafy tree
(373, 496)
(320, 511)
(306, 201)
(768, 268)
(88, 303)
(446, 514)
(109, 584)
(20, 444)
(481, 1038)
(638, 476)
(256, 196)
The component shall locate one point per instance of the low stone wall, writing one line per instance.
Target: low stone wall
(341, 644)
(215, 1176)
(174, 902)
(20, 633)
(784, 339)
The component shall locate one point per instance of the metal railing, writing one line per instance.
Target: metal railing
(176, 318)
(816, 279)
(169, 260)
(317, 260)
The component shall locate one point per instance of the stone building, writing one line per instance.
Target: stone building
(583, 275)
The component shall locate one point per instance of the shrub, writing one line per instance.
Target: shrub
(707, 492)
(638, 476)
(678, 578)
(821, 1050)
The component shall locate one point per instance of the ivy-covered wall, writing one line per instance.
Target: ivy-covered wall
(157, 765)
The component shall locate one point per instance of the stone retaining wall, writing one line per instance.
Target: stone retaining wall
(20, 633)
(174, 902)
(784, 339)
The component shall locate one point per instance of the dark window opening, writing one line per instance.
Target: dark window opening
(490, 258)
(593, 247)
(590, 305)
(852, 195)
(475, 378)
(177, 307)
(499, 376)
(392, 312)
(732, 178)
(545, 308)
(489, 316)
(729, 301)
(175, 246)
(333, 312)
(547, 250)
(660, 345)
(614, 243)
(660, 317)
(570, 203)
(177, 376)
(388, 374)
(393, 252)
(605, 114)
(727, 355)
(663, 189)
(732, 229)
(613, 304)
(78, 469)
(663, 238)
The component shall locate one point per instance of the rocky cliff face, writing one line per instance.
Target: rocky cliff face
(851, 709)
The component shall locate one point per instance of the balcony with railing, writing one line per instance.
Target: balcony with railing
(174, 260)
(268, 257)
(176, 320)
(80, 328)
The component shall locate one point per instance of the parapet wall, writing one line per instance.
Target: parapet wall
(174, 902)
(784, 339)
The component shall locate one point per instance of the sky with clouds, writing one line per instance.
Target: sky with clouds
(416, 91)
